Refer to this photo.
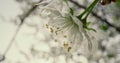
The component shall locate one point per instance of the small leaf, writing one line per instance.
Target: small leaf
(118, 2)
(104, 27)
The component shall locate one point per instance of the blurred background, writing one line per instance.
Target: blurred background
(23, 38)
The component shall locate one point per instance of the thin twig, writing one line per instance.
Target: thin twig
(18, 29)
(97, 16)
(19, 26)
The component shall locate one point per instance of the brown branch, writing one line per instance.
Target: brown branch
(97, 16)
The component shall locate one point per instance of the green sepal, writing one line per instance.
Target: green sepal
(71, 11)
(91, 29)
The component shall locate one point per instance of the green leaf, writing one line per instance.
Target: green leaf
(118, 2)
(104, 27)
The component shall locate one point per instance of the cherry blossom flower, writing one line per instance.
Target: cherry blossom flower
(67, 28)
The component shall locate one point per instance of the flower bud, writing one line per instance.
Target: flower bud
(105, 2)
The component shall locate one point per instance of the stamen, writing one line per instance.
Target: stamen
(65, 45)
(56, 32)
(55, 40)
(47, 26)
(58, 28)
(65, 36)
(51, 30)
(69, 48)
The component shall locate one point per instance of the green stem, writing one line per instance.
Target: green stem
(92, 6)
(88, 10)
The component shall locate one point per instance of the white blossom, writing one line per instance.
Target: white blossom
(67, 28)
